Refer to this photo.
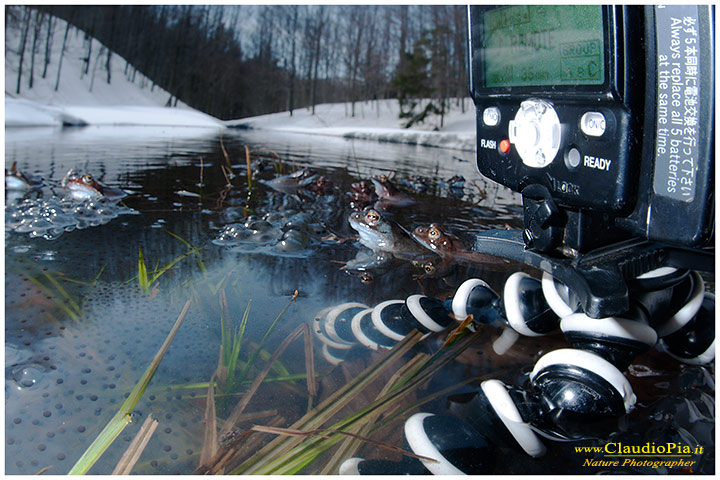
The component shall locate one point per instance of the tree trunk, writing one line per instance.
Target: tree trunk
(88, 57)
(62, 53)
(23, 42)
(107, 65)
(291, 77)
(52, 21)
(318, 37)
(36, 33)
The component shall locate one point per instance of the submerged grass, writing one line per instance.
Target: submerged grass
(290, 455)
(124, 415)
(286, 454)
(146, 278)
(69, 305)
(136, 447)
(230, 343)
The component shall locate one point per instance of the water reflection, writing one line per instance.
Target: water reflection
(80, 329)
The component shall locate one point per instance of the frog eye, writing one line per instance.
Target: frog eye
(87, 179)
(429, 268)
(372, 217)
(434, 233)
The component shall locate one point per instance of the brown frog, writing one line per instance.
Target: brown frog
(380, 234)
(82, 187)
(389, 194)
(450, 247)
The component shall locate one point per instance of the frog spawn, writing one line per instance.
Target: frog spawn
(50, 218)
(284, 234)
(62, 388)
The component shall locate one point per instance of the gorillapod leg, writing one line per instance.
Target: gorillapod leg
(572, 393)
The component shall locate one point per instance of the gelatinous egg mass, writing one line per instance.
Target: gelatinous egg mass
(61, 388)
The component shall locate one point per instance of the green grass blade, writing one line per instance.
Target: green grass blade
(87, 284)
(62, 291)
(192, 249)
(159, 272)
(68, 311)
(123, 417)
(235, 351)
(142, 272)
(254, 355)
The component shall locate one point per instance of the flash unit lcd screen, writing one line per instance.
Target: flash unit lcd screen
(544, 45)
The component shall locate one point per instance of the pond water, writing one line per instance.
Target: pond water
(80, 328)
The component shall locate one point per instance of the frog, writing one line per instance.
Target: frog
(83, 187)
(293, 182)
(362, 194)
(450, 247)
(380, 234)
(389, 194)
(19, 181)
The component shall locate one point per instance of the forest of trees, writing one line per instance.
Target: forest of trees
(243, 60)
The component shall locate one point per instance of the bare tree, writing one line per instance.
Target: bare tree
(23, 42)
(39, 17)
(291, 26)
(318, 31)
(52, 22)
(62, 54)
(108, 67)
(355, 27)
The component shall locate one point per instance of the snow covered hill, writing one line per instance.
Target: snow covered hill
(130, 99)
(83, 98)
(374, 120)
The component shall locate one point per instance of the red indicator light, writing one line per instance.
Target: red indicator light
(505, 146)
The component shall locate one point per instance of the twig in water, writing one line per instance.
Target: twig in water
(249, 168)
(202, 168)
(136, 447)
(324, 432)
(460, 328)
(225, 154)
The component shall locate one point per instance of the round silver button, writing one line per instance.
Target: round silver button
(535, 132)
(491, 116)
(572, 159)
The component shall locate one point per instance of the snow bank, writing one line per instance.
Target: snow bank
(130, 99)
(85, 98)
(375, 120)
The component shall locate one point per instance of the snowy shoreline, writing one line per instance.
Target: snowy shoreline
(376, 120)
(73, 97)
(328, 121)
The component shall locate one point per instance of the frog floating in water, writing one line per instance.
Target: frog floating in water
(321, 186)
(380, 234)
(292, 182)
(416, 183)
(362, 194)
(83, 187)
(451, 248)
(19, 181)
(389, 194)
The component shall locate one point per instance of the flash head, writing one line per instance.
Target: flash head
(601, 116)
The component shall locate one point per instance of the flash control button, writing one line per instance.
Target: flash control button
(535, 131)
(491, 116)
(593, 124)
(572, 159)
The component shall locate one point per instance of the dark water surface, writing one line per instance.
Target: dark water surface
(80, 331)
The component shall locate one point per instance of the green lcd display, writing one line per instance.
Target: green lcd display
(544, 45)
